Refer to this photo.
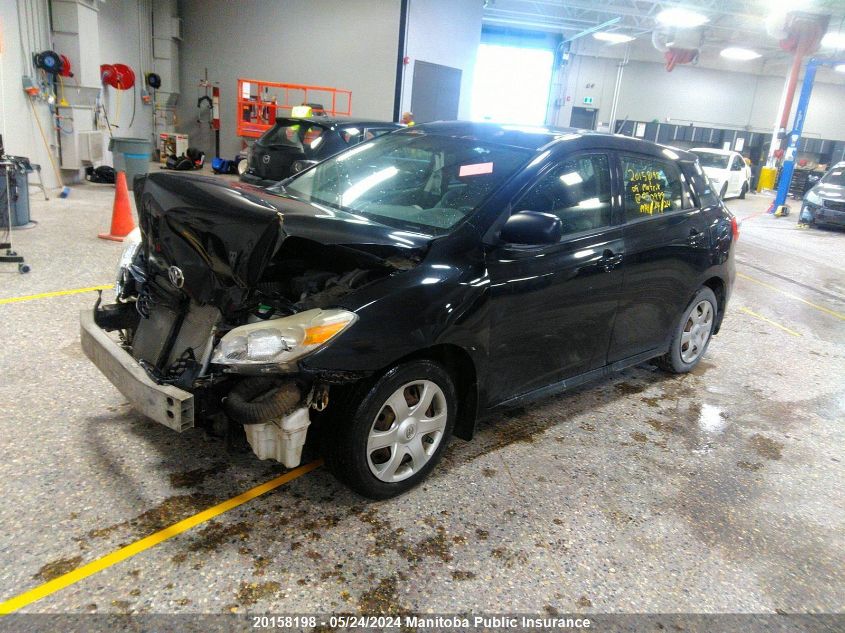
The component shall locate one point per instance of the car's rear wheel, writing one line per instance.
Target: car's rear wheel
(390, 434)
(692, 334)
(724, 191)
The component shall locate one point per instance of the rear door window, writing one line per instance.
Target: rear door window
(577, 190)
(651, 187)
(292, 135)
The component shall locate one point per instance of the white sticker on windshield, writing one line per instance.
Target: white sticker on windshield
(475, 170)
(836, 173)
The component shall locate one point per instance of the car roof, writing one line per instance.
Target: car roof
(541, 138)
(326, 121)
(713, 150)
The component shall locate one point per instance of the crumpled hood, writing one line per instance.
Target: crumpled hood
(222, 236)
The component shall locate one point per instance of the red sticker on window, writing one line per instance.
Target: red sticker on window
(475, 170)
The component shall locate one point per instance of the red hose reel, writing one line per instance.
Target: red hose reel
(119, 76)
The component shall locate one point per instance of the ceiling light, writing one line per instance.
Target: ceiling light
(742, 54)
(682, 18)
(834, 40)
(612, 38)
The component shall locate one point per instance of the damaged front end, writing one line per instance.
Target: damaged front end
(219, 295)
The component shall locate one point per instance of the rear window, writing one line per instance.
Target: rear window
(302, 136)
(717, 161)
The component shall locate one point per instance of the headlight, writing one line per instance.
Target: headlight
(131, 244)
(812, 197)
(277, 343)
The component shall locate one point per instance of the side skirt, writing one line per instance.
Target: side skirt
(575, 381)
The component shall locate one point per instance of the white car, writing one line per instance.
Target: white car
(728, 170)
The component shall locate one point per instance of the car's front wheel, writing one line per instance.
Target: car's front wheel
(743, 191)
(692, 334)
(390, 434)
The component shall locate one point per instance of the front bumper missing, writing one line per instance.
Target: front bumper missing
(166, 404)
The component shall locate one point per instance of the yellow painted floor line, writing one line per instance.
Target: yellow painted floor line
(833, 313)
(56, 293)
(41, 591)
(769, 321)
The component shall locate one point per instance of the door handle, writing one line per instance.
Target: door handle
(696, 237)
(610, 260)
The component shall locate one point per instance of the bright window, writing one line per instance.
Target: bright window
(511, 85)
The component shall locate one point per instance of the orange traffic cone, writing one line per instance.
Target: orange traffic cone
(121, 216)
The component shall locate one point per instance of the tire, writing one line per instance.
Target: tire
(724, 191)
(365, 418)
(683, 356)
(743, 191)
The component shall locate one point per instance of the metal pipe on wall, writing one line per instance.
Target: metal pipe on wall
(620, 69)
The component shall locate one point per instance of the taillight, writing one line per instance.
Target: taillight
(735, 228)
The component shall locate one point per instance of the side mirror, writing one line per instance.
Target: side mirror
(532, 227)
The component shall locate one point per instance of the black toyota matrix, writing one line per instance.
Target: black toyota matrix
(293, 144)
(389, 297)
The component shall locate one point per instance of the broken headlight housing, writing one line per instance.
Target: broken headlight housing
(131, 244)
(276, 344)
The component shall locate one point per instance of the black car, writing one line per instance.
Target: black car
(293, 144)
(825, 202)
(398, 292)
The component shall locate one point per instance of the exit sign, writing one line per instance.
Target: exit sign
(588, 100)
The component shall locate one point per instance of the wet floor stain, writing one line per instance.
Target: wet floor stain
(437, 546)
(752, 466)
(637, 436)
(383, 599)
(168, 512)
(702, 368)
(509, 557)
(584, 602)
(766, 447)
(121, 605)
(460, 574)
(250, 593)
(195, 477)
(488, 472)
(57, 568)
(215, 534)
(628, 388)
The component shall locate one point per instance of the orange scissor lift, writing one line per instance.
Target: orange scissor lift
(260, 102)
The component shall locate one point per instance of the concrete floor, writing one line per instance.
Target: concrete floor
(719, 491)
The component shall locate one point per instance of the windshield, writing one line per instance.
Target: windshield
(303, 136)
(719, 161)
(835, 176)
(410, 180)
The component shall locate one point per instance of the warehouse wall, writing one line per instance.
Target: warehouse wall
(732, 99)
(351, 44)
(121, 25)
(17, 125)
(445, 32)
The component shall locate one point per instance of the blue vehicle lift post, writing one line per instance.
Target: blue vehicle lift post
(787, 169)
